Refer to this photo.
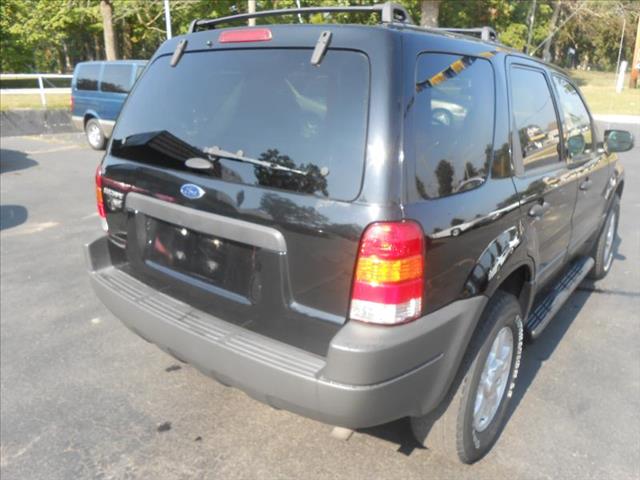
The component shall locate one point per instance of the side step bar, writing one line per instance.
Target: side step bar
(545, 310)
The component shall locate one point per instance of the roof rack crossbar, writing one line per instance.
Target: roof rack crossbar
(486, 33)
(389, 13)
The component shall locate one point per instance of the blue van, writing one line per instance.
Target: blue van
(98, 90)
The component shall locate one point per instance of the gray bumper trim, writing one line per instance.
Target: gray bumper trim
(78, 122)
(352, 387)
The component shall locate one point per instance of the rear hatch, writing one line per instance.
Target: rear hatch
(300, 131)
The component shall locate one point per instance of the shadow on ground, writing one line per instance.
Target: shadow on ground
(13, 160)
(534, 356)
(12, 216)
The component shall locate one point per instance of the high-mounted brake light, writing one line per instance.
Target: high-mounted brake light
(99, 197)
(389, 279)
(245, 35)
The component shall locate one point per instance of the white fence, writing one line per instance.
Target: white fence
(42, 89)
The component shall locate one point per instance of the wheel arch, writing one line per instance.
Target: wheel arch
(88, 115)
(518, 282)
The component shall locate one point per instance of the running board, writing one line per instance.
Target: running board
(543, 311)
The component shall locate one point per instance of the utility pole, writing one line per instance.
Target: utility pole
(532, 20)
(251, 8)
(624, 25)
(167, 18)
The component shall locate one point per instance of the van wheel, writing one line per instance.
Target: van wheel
(603, 249)
(470, 419)
(94, 134)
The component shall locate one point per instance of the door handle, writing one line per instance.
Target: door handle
(586, 185)
(539, 209)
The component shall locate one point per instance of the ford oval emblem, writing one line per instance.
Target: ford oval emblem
(191, 191)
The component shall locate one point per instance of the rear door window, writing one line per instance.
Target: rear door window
(454, 112)
(88, 77)
(116, 78)
(270, 104)
(535, 118)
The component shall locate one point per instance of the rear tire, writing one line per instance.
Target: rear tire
(95, 135)
(603, 250)
(470, 419)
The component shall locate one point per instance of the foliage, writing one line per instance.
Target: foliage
(53, 35)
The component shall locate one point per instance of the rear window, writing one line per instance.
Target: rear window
(271, 105)
(454, 112)
(88, 77)
(116, 78)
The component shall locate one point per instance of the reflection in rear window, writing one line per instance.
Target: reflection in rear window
(116, 78)
(273, 105)
(88, 77)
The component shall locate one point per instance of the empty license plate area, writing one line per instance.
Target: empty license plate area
(217, 261)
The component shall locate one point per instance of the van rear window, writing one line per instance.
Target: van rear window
(116, 78)
(88, 77)
(270, 105)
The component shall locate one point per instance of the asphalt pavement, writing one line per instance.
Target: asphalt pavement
(82, 397)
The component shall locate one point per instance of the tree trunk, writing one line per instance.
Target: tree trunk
(106, 9)
(127, 46)
(96, 47)
(546, 52)
(429, 13)
(251, 8)
(67, 60)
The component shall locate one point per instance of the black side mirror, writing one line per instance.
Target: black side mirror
(618, 140)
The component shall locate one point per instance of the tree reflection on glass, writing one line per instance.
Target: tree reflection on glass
(312, 182)
(444, 173)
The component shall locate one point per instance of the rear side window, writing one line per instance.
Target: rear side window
(272, 105)
(116, 78)
(578, 134)
(454, 111)
(88, 77)
(535, 118)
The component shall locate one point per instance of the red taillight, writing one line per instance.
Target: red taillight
(99, 197)
(389, 278)
(245, 35)
(71, 104)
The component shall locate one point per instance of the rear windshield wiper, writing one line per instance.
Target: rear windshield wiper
(172, 147)
(214, 153)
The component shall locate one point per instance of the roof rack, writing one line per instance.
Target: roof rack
(389, 13)
(485, 33)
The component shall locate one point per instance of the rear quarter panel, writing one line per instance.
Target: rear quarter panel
(474, 238)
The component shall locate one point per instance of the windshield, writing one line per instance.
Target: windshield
(270, 104)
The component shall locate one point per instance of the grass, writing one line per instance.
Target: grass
(597, 87)
(600, 92)
(20, 102)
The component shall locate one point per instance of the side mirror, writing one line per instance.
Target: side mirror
(575, 144)
(618, 141)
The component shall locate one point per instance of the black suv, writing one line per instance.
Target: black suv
(356, 223)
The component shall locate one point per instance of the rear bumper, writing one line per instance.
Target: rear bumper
(371, 374)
